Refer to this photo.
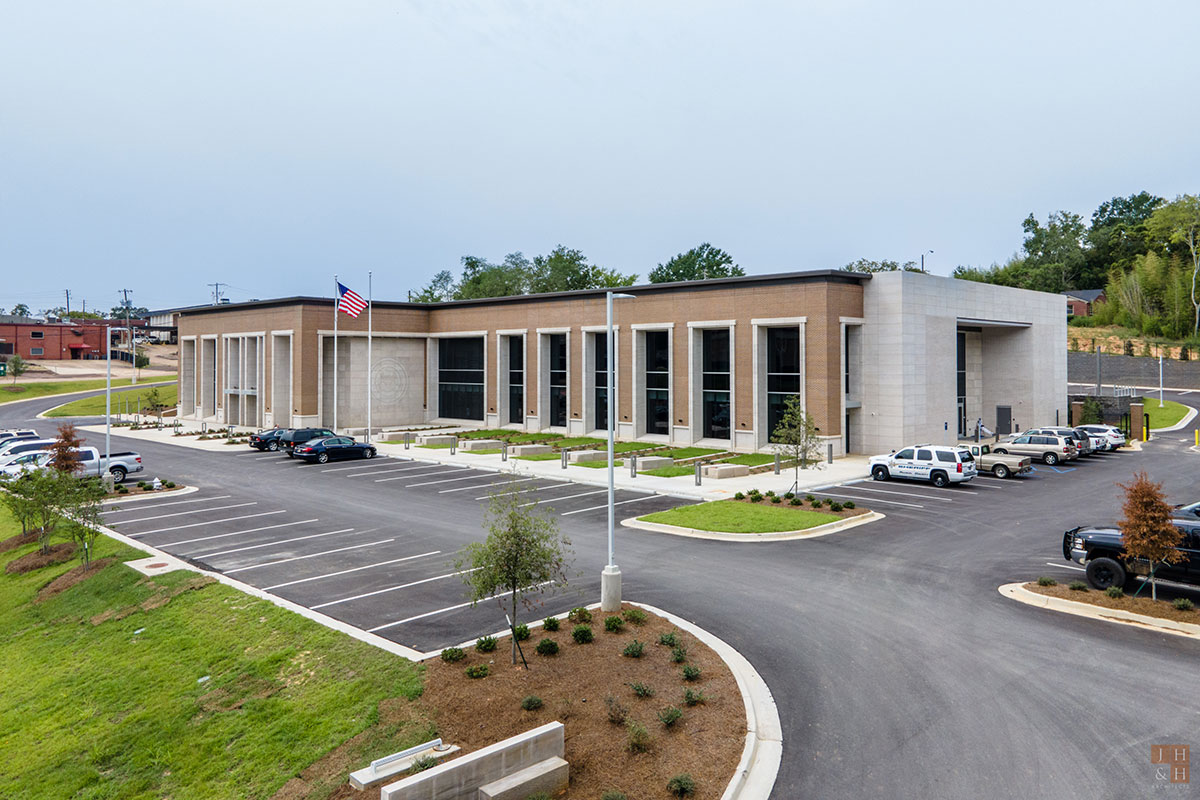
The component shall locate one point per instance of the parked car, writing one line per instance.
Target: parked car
(938, 464)
(268, 439)
(1083, 442)
(294, 436)
(19, 464)
(331, 448)
(1000, 465)
(12, 447)
(18, 433)
(1101, 551)
(1047, 449)
(1112, 435)
(1100, 443)
(91, 463)
(1188, 511)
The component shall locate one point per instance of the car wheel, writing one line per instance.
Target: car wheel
(939, 479)
(879, 473)
(1051, 459)
(1105, 572)
(1000, 471)
(118, 474)
(1000, 451)
(272, 445)
(322, 458)
(291, 454)
(369, 452)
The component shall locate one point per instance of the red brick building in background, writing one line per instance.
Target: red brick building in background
(1081, 302)
(33, 340)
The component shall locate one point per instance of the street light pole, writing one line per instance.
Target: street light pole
(610, 577)
(927, 252)
(107, 398)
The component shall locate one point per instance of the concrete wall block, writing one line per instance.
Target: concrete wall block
(468, 445)
(550, 776)
(654, 462)
(433, 438)
(719, 471)
(579, 456)
(530, 449)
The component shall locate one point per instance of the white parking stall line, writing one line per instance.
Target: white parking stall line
(352, 569)
(618, 503)
(387, 625)
(243, 455)
(860, 498)
(184, 513)
(144, 507)
(198, 524)
(568, 497)
(203, 556)
(444, 480)
(856, 488)
(311, 555)
(1187, 391)
(392, 589)
(238, 533)
(537, 488)
(387, 469)
(420, 475)
(382, 462)
(483, 485)
(1066, 566)
(264, 458)
(1003, 481)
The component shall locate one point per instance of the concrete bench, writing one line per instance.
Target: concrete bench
(437, 438)
(580, 456)
(654, 462)
(549, 776)
(384, 769)
(530, 449)
(718, 471)
(463, 777)
(467, 445)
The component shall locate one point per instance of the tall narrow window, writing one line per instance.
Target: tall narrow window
(962, 384)
(715, 365)
(460, 378)
(783, 373)
(600, 343)
(558, 380)
(516, 379)
(658, 366)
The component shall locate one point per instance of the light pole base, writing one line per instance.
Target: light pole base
(610, 589)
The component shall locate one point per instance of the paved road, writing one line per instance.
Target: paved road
(899, 670)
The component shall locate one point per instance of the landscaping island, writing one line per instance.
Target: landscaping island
(1180, 609)
(748, 515)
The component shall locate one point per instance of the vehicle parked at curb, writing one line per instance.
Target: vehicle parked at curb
(24, 444)
(91, 463)
(938, 464)
(1111, 434)
(1048, 449)
(1083, 442)
(297, 436)
(1187, 511)
(268, 439)
(1000, 465)
(1101, 551)
(332, 448)
(18, 433)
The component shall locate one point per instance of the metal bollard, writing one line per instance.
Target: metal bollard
(632, 466)
(406, 441)
(829, 455)
(777, 463)
(564, 459)
(504, 451)
(697, 473)
(454, 447)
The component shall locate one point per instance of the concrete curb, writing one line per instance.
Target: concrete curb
(116, 389)
(1018, 592)
(154, 496)
(1178, 426)
(776, 536)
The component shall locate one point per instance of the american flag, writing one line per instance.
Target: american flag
(350, 301)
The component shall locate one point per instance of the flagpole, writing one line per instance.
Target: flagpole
(337, 299)
(370, 383)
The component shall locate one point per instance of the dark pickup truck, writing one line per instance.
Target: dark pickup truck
(1101, 550)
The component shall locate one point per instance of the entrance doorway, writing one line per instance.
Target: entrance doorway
(962, 417)
(1003, 420)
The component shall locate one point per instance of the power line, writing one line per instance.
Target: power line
(217, 292)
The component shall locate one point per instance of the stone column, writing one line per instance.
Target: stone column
(1137, 420)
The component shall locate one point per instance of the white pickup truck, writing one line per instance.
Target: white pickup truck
(91, 463)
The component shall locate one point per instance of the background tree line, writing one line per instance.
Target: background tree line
(1142, 250)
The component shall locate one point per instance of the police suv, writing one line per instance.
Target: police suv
(938, 464)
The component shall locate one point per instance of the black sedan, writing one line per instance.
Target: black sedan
(267, 440)
(326, 449)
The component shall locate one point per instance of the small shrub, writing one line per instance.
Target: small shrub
(848, 504)
(776, 499)
(1115, 592)
(795, 501)
(1183, 604)
(1046, 580)
(739, 496)
(835, 506)
(617, 712)
(583, 634)
(452, 654)
(669, 639)
(521, 632)
(810, 499)
(547, 647)
(642, 690)
(1077, 586)
(477, 671)
(422, 763)
(550, 624)
(635, 615)
(531, 703)
(682, 785)
(679, 654)
(691, 672)
(169, 484)
(579, 615)
(141, 484)
(693, 697)
(613, 624)
(485, 644)
(669, 716)
(634, 649)
(613, 795)
(639, 739)
(770, 492)
(790, 496)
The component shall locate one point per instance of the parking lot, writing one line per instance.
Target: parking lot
(351, 551)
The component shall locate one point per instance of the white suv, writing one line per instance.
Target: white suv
(1113, 436)
(938, 464)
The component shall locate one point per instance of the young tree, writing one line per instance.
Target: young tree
(17, 367)
(50, 491)
(1147, 528)
(565, 269)
(81, 508)
(523, 555)
(796, 435)
(697, 264)
(1092, 412)
(64, 453)
(19, 501)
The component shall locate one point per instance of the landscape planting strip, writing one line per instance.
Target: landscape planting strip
(1018, 592)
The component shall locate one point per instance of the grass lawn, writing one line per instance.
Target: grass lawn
(491, 451)
(690, 452)
(541, 457)
(676, 471)
(751, 459)
(733, 517)
(534, 438)
(492, 433)
(28, 391)
(629, 447)
(597, 464)
(94, 406)
(1164, 417)
(431, 446)
(576, 441)
(124, 686)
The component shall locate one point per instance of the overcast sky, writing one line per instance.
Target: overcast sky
(161, 146)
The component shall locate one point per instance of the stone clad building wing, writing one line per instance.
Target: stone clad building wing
(877, 360)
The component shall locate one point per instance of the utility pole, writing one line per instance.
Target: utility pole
(129, 330)
(68, 291)
(217, 292)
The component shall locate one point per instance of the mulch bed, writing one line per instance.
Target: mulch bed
(705, 743)
(59, 553)
(70, 578)
(13, 542)
(1142, 604)
(806, 506)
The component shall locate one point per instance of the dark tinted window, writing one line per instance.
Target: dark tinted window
(924, 455)
(460, 378)
(905, 454)
(947, 457)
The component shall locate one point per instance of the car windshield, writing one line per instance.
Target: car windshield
(314, 440)
(965, 456)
